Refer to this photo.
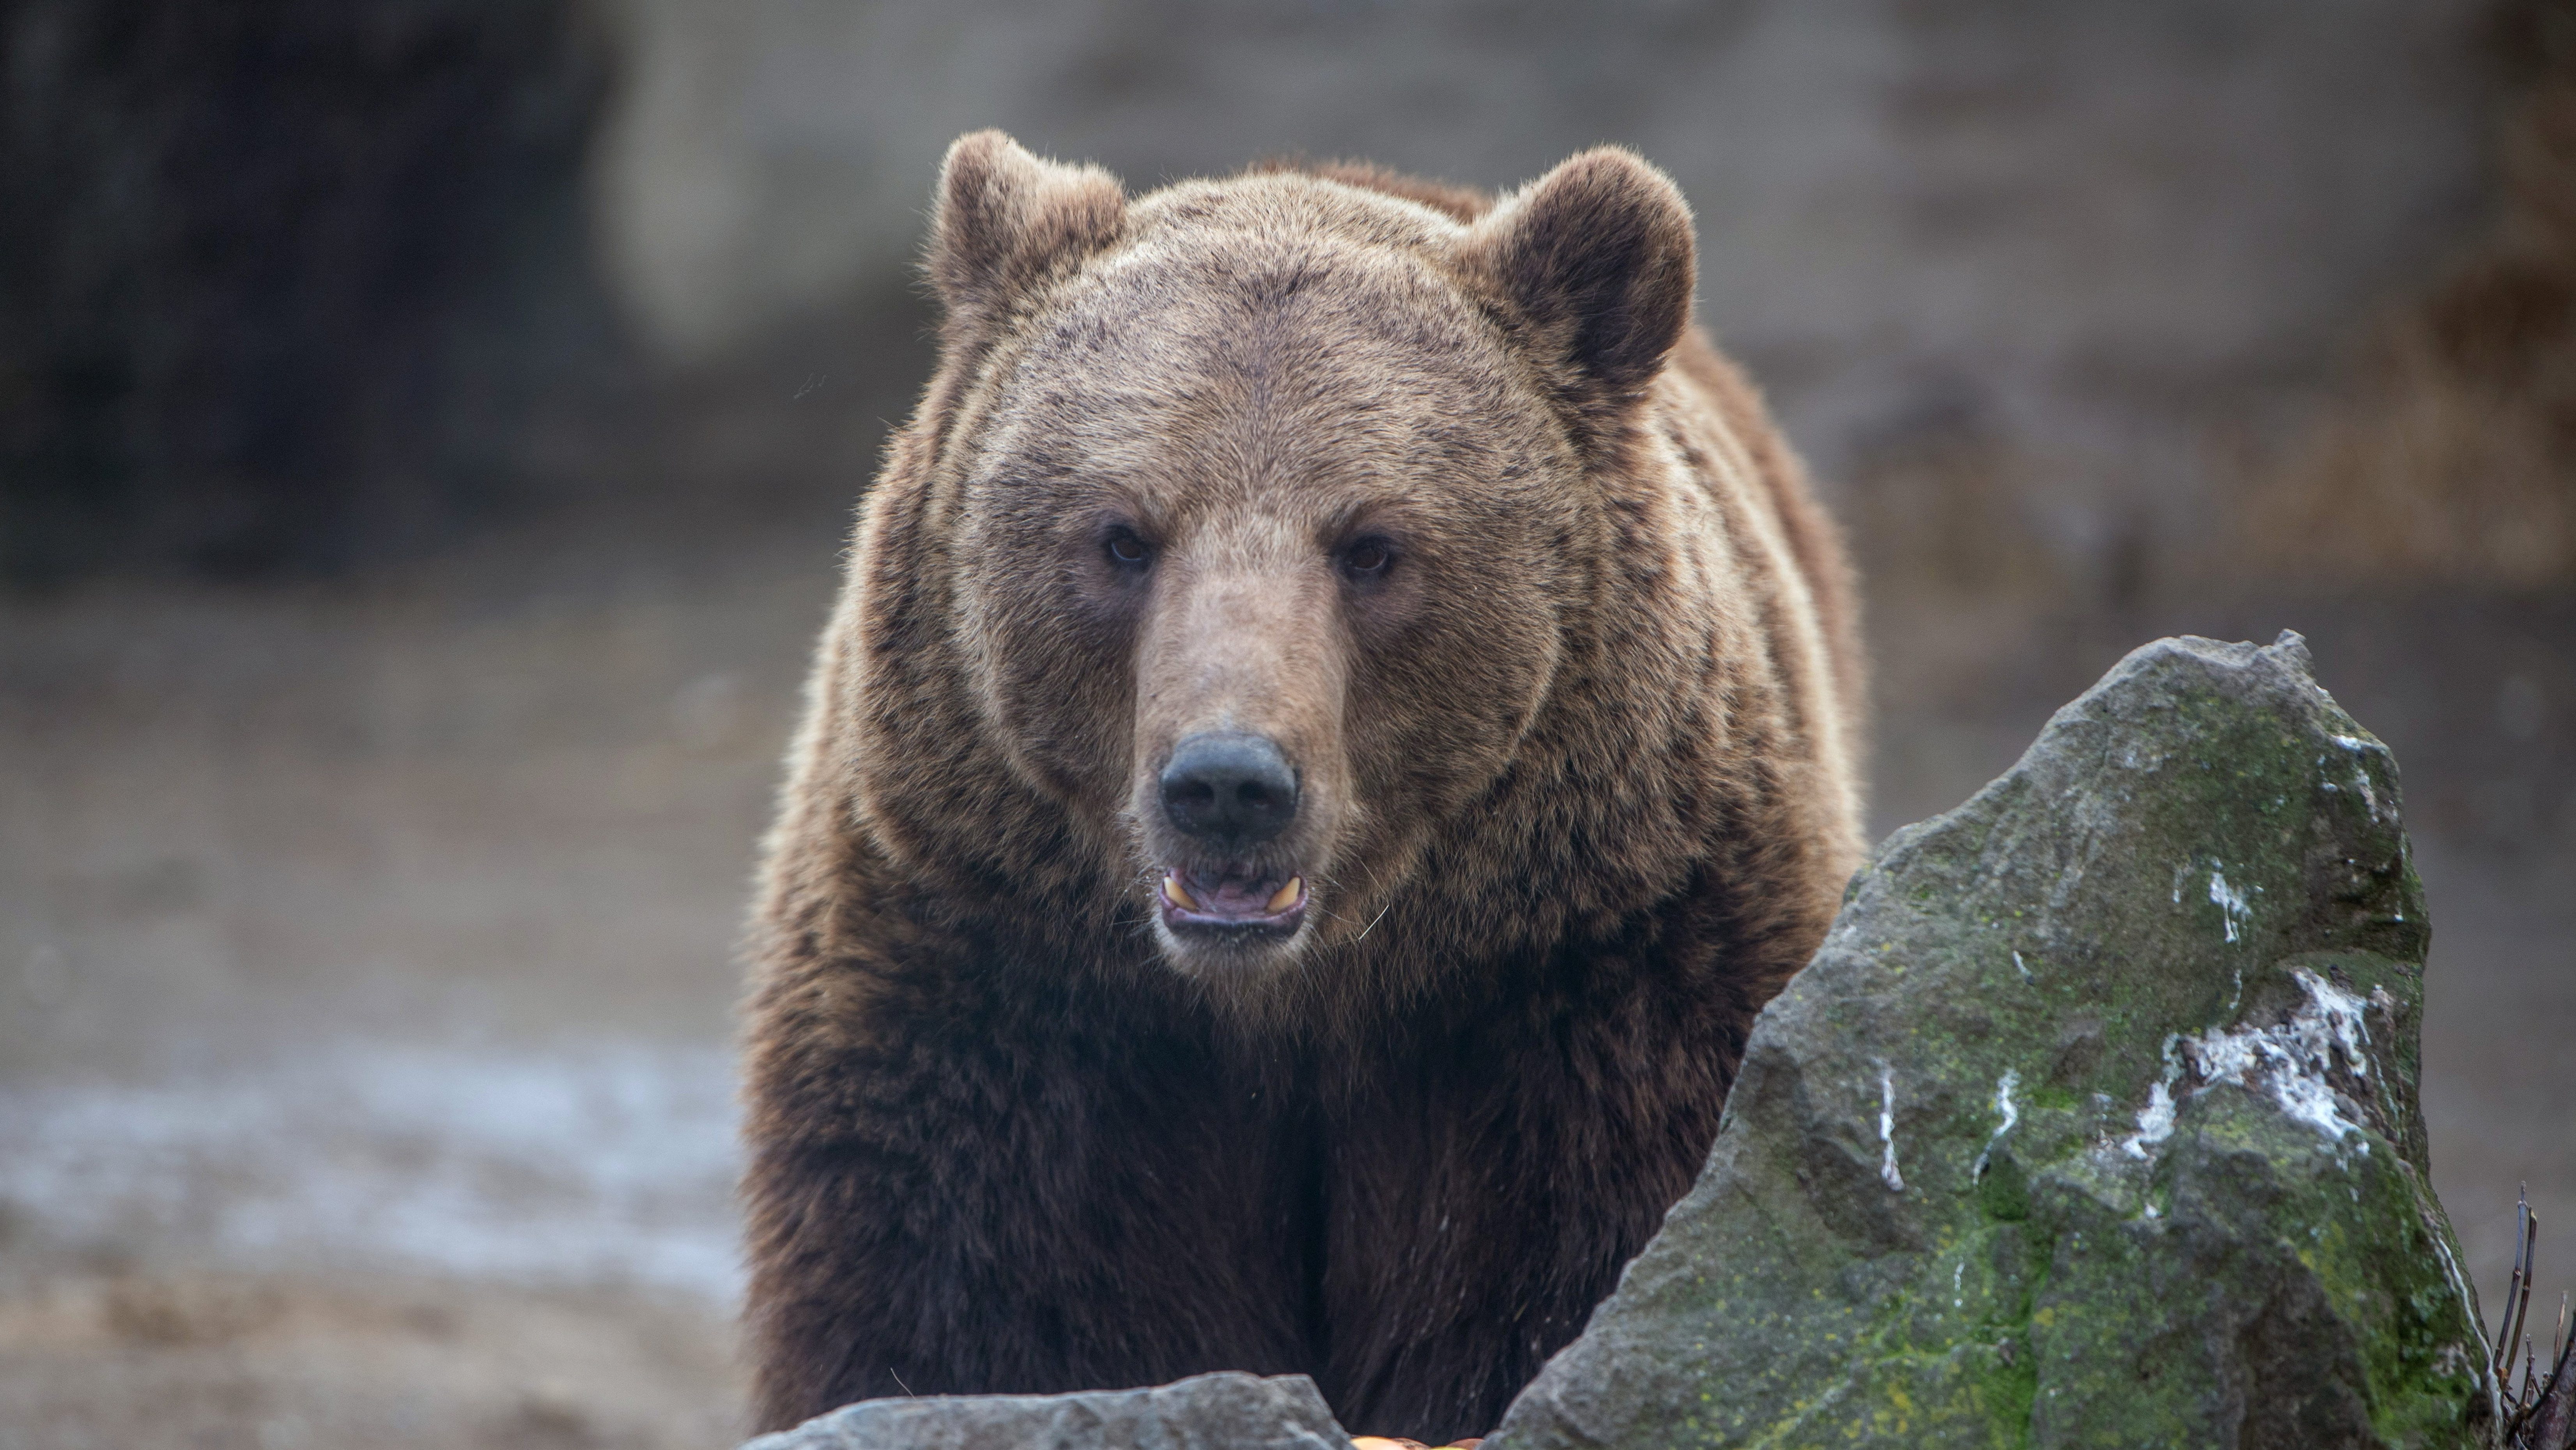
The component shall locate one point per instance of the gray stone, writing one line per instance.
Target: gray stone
(2094, 1122)
(1228, 1411)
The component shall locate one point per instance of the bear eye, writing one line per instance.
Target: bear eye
(1127, 550)
(1367, 559)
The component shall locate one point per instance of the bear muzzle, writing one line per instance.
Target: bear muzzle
(1229, 792)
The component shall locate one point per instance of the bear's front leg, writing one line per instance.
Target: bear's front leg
(1486, 1186)
(1031, 1189)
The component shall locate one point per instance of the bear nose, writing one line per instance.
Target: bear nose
(1229, 789)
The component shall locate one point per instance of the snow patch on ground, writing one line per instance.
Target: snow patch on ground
(607, 1163)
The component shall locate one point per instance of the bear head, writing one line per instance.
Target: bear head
(1262, 516)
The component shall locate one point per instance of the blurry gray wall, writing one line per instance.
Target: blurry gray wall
(2113, 235)
(296, 284)
(281, 281)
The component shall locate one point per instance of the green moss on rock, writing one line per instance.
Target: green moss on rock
(2093, 1122)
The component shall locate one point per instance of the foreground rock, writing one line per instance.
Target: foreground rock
(1205, 1412)
(2093, 1123)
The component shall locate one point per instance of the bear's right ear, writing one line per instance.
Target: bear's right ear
(1005, 220)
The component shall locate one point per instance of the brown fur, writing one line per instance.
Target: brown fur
(1578, 788)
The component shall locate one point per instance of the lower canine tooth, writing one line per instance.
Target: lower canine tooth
(1179, 897)
(1288, 894)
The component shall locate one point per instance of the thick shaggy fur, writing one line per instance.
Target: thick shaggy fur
(1577, 774)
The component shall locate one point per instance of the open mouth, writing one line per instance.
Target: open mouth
(1231, 901)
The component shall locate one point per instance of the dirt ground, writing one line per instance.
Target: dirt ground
(285, 1361)
(364, 992)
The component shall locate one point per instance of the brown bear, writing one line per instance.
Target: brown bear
(1342, 709)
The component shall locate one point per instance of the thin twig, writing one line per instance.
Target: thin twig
(2530, 1252)
(2516, 1293)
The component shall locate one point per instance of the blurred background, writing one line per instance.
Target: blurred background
(428, 429)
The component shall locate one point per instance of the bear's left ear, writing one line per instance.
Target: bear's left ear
(1596, 258)
(1006, 220)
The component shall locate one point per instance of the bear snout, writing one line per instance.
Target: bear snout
(1230, 790)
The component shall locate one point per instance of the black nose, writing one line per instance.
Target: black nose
(1229, 789)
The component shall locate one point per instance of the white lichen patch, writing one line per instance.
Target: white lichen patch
(2230, 901)
(1887, 1128)
(2004, 1105)
(2486, 1346)
(2361, 778)
(2290, 1062)
(2156, 1119)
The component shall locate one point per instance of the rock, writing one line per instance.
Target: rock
(1229, 1411)
(2093, 1122)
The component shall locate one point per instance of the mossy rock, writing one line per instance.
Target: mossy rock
(2094, 1122)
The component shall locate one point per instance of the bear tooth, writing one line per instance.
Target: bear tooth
(1179, 897)
(1288, 895)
